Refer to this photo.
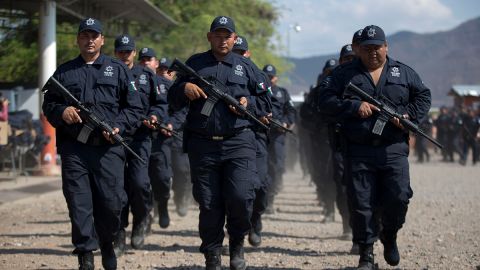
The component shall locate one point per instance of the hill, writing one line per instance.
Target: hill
(441, 58)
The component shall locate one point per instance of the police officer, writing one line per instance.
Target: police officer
(137, 181)
(442, 124)
(260, 202)
(181, 184)
(379, 182)
(160, 168)
(221, 147)
(283, 111)
(91, 179)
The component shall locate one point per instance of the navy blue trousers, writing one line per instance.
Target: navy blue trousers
(137, 182)
(92, 183)
(160, 169)
(276, 161)
(223, 178)
(261, 201)
(378, 188)
(181, 180)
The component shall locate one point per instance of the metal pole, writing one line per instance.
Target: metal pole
(46, 67)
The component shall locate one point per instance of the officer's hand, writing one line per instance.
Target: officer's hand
(70, 115)
(108, 136)
(192, 91)
(397, 123)
(264, 119)
(165, 132)
(150, 123)
(366, 109)
(243, 102)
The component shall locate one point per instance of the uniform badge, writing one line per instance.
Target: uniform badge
(142, 79)
(163, 60)
(395, 72)
(144, 50)
(108, 71)
(239, 70)
(371, 32)
(223, 20)
(269, 68)
(279, 94)
(163, 90)
(90, 21)
(125, 40)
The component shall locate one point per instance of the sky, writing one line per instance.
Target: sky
(327, 25)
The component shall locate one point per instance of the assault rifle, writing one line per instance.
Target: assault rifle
(387, 113)
(215, 91)
(92, 120)
(277, 124)
(161, 125)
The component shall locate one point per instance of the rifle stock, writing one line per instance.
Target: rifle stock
(390, 113)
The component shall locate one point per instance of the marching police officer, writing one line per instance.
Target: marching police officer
(283, 111)
(221, 147)
(260, 202)
(160, 168)
(91, 179)
(137, 181)
(379, 182)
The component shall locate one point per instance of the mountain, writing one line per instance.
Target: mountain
(441, 59)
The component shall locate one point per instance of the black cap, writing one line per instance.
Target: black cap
(270, 70)
(90, 24)
(241, 44)
(146, 52)
(165, 62)
(124, 43)
(330, 64)
(223, 22)
(372, 34)
(357, 36)
(346, 51)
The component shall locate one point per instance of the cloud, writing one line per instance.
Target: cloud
(329, 24)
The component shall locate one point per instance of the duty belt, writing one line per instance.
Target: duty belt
(220, 137)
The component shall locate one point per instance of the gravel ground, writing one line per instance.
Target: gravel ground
(442, 230)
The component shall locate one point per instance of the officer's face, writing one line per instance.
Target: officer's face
(150, 62)
(127, 57)
(90, 42)
(373, 56)
(221, 41)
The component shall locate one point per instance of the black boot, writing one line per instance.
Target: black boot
(163, 219)
(139, 232)
(213, 260)
(237, 261)
(255, 235)
(390, 248)
(109, 260)
(366, 261)
(85, 261)
(181, 204)
(119, 243)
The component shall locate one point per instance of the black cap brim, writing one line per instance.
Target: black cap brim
(90, 29)
(222, 27)
(372, 42)
(124, 48)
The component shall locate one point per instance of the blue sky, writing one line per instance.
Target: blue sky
(327, 25)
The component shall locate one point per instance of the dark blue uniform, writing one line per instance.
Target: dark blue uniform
(378, 166)
(137, 181)
(221, 149)
(160, 169)
(92, 177)
(284, 111)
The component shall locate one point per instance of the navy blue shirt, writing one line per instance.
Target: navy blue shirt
(240, 80)
(398, 83)
(282, 105)
(107, 86)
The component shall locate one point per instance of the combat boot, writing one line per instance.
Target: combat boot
(181, 205)
(237, 260)
(164, 218)
(109, 260)
(85, 261)
(255, 235)
(390, 248)
(119, 243)
(139, 232)
(213, 260)
(366, 261)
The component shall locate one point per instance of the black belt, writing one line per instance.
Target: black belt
(222, 137)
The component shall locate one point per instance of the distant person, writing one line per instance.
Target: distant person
(3, 108)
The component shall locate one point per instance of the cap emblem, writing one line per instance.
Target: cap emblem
(223, 20)
(371, 32)
(144, 50)
(90, 21)
(349, 47)
(269, 68)
(125, 40)
(239, 41)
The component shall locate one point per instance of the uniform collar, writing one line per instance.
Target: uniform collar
(99, 61)
(229, 58)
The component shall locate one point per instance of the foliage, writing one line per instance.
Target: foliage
(254, 19)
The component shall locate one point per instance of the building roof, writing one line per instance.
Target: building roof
(464, 90)
(142, 11)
